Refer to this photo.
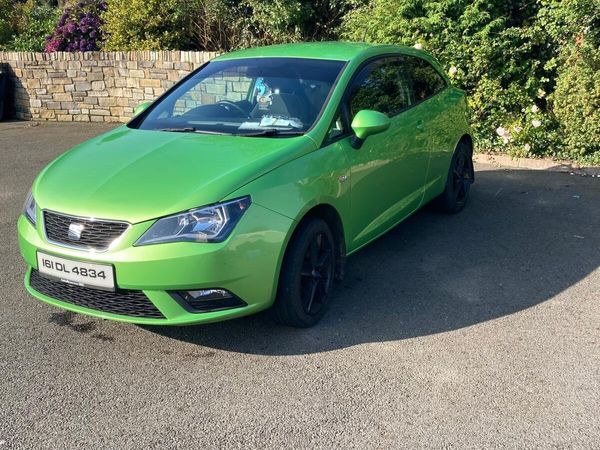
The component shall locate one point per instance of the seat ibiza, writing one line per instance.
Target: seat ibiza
(246, 185)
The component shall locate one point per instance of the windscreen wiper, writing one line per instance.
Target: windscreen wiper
(180, 130)
(190, 130)
(272, 132)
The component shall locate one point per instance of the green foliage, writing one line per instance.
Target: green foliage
(144, 25)
(7, 22)
(214, 25)
(506, 55)
(576, 103)
(280, 21)
(37, 19)
(219, 25)
(575, 27)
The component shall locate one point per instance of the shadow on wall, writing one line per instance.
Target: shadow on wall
(4, 91)
(524, 238)
(16, 98)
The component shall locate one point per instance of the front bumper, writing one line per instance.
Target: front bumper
(246, 264)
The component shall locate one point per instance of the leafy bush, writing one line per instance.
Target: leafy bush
(213, 25)
(7, 22)
(144, 25)
(268, 22)
(36, 20)
(576, 104)
(218, 25)
(507, 55)
(79, 28)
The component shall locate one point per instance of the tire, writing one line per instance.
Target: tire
(459, 180)
(307, 276)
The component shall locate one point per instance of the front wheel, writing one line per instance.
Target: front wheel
(307, 275)
(458, 184)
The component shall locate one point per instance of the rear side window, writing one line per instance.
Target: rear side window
(381, 86)
(426, 81)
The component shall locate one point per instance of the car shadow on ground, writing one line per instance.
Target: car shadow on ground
(524, 238)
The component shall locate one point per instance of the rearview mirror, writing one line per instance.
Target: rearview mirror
(141, 107)
(367, 123)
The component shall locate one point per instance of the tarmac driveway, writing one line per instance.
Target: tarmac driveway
(468, 331)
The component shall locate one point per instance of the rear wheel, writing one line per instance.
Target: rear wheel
(458, 184)
(307, 275)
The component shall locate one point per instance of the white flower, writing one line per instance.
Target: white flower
(518, 129)
(452, 71)
(541, 93)
(536, 123)
(527, 147)
(534, 109)
(504, 134)
(419, 46)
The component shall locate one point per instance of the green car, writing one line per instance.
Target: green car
(247, 185)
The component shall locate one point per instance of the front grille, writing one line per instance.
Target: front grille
(95, 234)
(125, 302)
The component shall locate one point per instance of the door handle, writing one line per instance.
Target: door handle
(420, 126)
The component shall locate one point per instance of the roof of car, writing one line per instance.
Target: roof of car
(341, 51)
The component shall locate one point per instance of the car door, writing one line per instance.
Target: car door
(388, 171)
(430, 102)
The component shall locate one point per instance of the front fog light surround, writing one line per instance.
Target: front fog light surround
(211, 223)
(29, 208)
(206, 300)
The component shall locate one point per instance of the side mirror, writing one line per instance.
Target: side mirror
(367, 123)
(141, 107)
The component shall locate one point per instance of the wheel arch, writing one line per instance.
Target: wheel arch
(467, 140)
(331, 216)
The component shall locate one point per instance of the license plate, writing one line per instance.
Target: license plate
(99, 276)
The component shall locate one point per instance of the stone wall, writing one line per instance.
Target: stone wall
(94, 86)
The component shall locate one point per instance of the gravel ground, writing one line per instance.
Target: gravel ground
(471, 331)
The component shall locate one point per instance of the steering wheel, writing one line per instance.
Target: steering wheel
(226, 103)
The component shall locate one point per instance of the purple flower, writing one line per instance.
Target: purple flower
(64, 17)
(79, 28)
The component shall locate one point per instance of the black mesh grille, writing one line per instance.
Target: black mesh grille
(96, 234)
(126, 302)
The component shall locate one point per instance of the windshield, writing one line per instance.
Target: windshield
(254, 96)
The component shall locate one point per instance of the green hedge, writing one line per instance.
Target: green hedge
(144, 25)
(36, 20)
(219, 25)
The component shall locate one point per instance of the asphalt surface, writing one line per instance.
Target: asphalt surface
(477, 330)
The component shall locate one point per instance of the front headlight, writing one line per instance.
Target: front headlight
(208, 224)
(29, 208)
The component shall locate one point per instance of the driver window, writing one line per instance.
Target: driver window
(226, 86)
(381, 86)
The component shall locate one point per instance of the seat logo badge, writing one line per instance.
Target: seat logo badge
(75, 230)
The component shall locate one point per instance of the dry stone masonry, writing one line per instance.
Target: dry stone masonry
(98, 86)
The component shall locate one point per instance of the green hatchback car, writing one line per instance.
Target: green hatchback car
(246, 185)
